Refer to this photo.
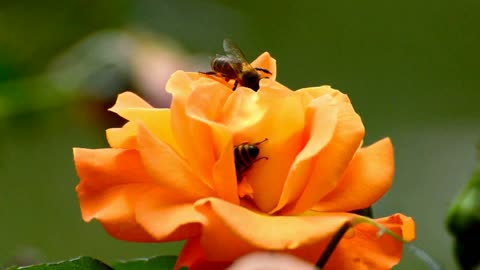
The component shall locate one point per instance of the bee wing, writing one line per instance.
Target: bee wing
(233, 51)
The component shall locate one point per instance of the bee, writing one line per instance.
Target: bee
(234, 66)
(245, 155)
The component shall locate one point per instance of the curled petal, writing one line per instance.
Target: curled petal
(368, 176)
(246, 231)
(167, 216)
(331, 162)
(302, 236)
(133, 108)
(101, 169)
(283, 128)
(205, 108)
(276, 117)
(315, 92)
(193, 258)
(128, 100)
(197, 132)
(167, 168)
(124, 137)
(320, 123)
(112, 181)
(267, 62)
(180, 84)
(365, 250)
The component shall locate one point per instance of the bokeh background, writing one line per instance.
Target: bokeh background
(410, 67)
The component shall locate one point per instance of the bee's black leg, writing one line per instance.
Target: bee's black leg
(208, 72)
(260, 158)
(264, 70)
(235, 85)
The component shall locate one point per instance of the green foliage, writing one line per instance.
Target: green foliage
(88, 263)
(158, 262)
(81, 263)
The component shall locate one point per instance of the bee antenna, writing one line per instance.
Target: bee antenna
(266, 139)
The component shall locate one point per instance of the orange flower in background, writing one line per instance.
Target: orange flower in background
(170, 174)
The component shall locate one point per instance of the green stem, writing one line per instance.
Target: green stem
(333, 244)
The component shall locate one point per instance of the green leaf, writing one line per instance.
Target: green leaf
(81, 263)
(157, 263)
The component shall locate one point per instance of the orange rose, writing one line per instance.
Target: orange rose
(170, 174)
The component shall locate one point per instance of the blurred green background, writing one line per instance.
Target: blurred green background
(410, 67)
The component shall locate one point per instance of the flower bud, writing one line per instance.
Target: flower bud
(463, 221)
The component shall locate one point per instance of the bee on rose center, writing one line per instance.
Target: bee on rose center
(234, 66)
(245, 155)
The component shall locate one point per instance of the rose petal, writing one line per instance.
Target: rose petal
(167, 168)
(167, 216)
(224, 176)
(368, 251)
(243, 109)
(315, 92)
(321, 120)
(133, 108)
(330, 163)
(100, 169)
(210, 154)
(127, 100)
(205, 107)
(303, 236)
(204, 102)
(193, 258)
(246, 231)
(274, 115)
(111, 182)
(368, 176)
(267, 62)
(124, 137)
(179, 84)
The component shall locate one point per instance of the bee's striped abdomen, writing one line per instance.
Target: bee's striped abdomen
(245, 155)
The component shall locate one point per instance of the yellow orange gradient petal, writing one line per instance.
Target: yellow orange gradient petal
(367, 251)
(242, 110)
(128, 100)
(224, 176)
(180, 84)
(133, 108)
(124, 137)
(368, 176)
(331, 162)
(283, 126)
(205, 106)
(193, 135)
(320, 123)
(167, 168)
